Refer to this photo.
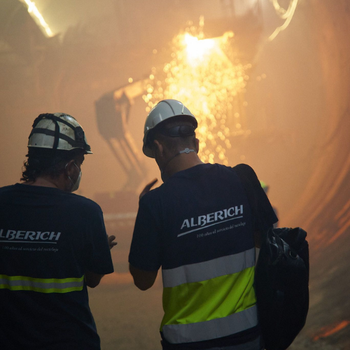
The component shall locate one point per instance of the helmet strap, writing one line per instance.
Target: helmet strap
(57, 128)
(57, 135)
(79, 141)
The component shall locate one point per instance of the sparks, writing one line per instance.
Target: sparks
(203, 77)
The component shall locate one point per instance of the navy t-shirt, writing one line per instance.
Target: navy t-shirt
(209, 201)
(45, 234)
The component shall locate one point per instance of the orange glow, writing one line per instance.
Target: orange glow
(117, 278)
(208, 78)
(327, 331)
(38, 18)
(196, 48)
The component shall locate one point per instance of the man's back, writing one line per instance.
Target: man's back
(199, 227)
(49, 239)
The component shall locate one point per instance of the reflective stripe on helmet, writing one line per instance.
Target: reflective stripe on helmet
(74, 143)
(58, 131)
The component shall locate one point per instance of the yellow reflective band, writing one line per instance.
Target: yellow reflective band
(41, 285)
(207, 300)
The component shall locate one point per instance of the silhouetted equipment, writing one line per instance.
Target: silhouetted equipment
(113, 113)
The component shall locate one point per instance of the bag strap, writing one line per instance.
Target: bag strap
(260, 203)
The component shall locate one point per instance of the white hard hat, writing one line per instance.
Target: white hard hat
(58, 131)
(164, 110)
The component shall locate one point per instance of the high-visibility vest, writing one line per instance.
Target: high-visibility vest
(210, 299)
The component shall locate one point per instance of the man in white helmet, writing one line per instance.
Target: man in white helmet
(199, 226)
(53, 244)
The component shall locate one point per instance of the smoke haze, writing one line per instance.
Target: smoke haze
(296, 109)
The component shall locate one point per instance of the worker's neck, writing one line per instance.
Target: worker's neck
(181, 162)
(48, 182)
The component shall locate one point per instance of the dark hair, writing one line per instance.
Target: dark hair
(43, 161)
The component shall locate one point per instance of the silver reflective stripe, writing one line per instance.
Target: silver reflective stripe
(217, 328)
(43, 285)
(209, 269)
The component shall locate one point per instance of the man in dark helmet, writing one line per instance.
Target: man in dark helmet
(200, 227)
(53, 244)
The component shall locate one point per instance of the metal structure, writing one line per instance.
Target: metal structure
(113, 114)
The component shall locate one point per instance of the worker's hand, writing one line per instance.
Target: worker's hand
(111, 242)
(148, 187)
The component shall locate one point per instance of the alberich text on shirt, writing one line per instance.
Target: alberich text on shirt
(28, 236)
(216, 217)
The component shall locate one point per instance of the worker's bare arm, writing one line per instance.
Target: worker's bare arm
(143, 279)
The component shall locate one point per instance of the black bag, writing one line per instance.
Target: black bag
(282, 286)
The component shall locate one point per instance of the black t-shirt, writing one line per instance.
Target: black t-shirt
(263, 216)
(189, 204)
(48, 240)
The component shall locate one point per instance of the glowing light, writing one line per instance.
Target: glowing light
(287, 15)
(196, 48)
(38, 18)
(130, 80)
(327, 331)
(207, 77)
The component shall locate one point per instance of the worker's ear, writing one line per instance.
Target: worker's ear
(197, 145)
(70, 168)
(158, 147)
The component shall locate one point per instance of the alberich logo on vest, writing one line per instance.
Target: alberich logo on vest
(211, 219)
(29, 236)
